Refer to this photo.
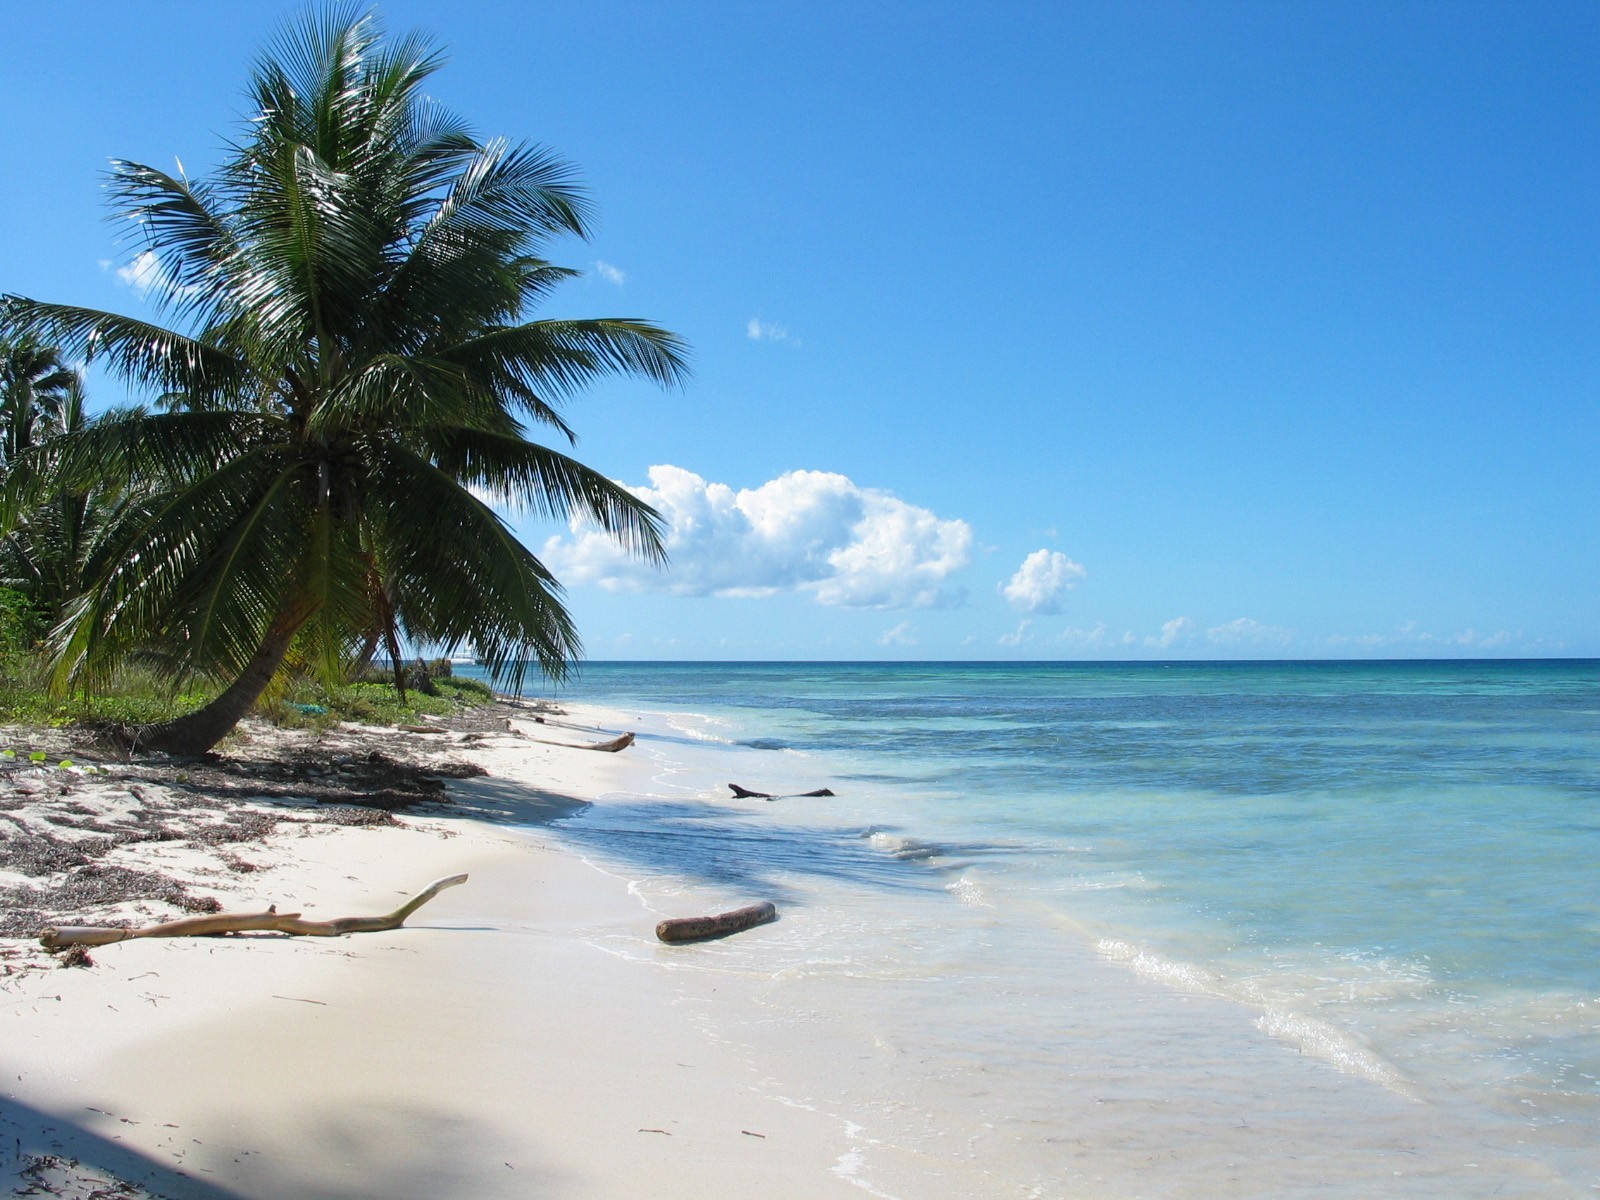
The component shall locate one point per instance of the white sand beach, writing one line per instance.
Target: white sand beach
(487, 1049)
(525, 1035)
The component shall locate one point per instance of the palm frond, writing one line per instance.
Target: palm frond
(181, 223)
(559, 358)
(548, 484)
(145, 354)
(459, 575)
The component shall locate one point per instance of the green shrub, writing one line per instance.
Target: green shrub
(131, 697)
(465, 691)
(20, 626)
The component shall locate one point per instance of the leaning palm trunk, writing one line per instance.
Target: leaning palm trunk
(197, 732)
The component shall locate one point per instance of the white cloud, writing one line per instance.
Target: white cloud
(805, 531)
(1247, 632)
(900, 635)
(1171, 632)
(1018, 635)
(143, 273)
(765, 331)
(1098, 638)
(1040, 580)
(611, 274)
(1410, 637)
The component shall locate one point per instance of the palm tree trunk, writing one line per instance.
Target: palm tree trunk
(197, 732)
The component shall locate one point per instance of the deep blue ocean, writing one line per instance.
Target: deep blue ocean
(1396, 863)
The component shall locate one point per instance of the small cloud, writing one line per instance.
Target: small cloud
(1411, 637)
(1018, 635)
(1040, 580)
(1097, 638)
(1170, 634)
(612, 275)
(1482, 641)
(900, 635)
(143, 273)
(765, 331)
(1247, 632)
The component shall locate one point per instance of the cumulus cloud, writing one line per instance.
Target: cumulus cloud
(806, 531)
(611, 274)
(765, 331)
(1040, 580)
(1247, 632)
(1171, 633)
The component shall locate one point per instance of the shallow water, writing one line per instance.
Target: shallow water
(1152, 929)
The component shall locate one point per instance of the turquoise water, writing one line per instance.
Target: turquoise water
(1396, 863)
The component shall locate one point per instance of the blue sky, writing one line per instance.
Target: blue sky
(1021, 330)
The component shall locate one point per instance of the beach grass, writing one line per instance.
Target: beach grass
(134, 696)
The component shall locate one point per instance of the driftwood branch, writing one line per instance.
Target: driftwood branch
(60, 937)
(697, 929)
(611, 746)
(740, 793)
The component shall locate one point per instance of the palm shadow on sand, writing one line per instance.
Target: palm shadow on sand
(742, 851)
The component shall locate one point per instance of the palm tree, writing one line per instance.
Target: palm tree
(41, 398)
(354, 371)
(37, 391)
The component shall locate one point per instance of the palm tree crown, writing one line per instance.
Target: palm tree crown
(352, 364)
(40, 395)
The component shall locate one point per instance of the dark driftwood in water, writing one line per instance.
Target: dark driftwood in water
(272, 921)
(697, 929)
(740, 793)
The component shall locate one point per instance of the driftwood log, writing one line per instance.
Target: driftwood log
(698, 929)
(60, 937)
(609, 747)
(740, 793)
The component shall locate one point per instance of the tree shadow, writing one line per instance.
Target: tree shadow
(28, 1133)
(738, 850)
(501, 802)
(398, 1152)
(395, 1151)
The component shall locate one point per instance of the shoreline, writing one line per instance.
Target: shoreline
(426, 1061)
(525, 1034)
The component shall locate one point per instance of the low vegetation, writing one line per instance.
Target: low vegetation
(137, 697)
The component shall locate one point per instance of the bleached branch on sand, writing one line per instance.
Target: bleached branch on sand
(60, 937)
